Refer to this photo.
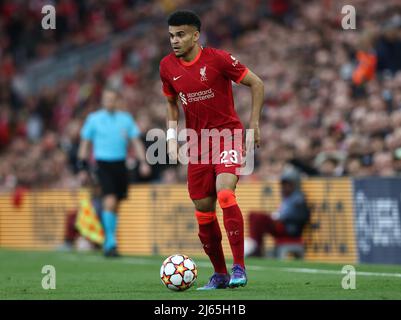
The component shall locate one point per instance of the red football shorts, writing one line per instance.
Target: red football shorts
(202, 176)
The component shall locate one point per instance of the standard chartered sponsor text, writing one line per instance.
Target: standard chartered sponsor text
(200, 95)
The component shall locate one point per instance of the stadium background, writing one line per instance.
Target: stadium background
(332, 109)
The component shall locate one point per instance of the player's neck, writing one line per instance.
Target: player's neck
(111, 111)
(191, 55)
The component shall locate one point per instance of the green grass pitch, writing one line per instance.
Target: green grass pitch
(90, 276)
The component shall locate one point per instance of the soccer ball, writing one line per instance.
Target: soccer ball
(178, 272)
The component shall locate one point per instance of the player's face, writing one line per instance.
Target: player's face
(109, 100)
(183, 39)
(121, 104)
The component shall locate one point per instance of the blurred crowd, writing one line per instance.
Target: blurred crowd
(333, 96)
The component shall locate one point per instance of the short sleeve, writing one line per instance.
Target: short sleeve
(231, 67)
(133, 129)
(167, 88)
(88, 129)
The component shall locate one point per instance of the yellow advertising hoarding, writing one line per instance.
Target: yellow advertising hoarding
(330, 235)
(159, 219)
(39, 222)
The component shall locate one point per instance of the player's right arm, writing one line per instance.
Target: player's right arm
(82, 162)
(83, 151)
(172, 113)
(87, 133)
(172, 125)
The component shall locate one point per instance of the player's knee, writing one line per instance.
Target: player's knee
(110, 203)
(205, 205)
(226, 198)
(205, 217)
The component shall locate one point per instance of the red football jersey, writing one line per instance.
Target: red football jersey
(204, 88)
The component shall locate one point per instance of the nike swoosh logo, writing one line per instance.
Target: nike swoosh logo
(176, 78)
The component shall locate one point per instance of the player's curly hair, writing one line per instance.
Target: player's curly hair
(184, 17)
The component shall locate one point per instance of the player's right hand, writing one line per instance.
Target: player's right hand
(83, 177)
(172, 150)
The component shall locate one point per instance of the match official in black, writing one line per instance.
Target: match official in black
(110, 131)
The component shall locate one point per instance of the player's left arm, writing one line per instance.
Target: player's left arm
(140, 153)
(139, 147)
(257, 90)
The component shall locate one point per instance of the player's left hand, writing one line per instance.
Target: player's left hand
(144, 169)
(83, 178)
(256, 136)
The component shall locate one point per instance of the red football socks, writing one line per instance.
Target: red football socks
(234, 224)
(210, 237)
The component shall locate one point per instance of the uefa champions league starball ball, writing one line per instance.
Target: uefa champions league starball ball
(178, 272)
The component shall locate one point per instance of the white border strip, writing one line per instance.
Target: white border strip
(144, 261)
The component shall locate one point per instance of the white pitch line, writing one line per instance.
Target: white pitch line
(144, 261)
(358, 273)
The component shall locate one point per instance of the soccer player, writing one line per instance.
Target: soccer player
(201, 78)
(110, 131)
